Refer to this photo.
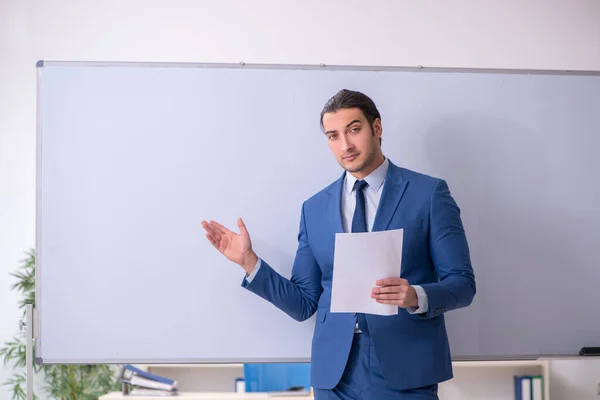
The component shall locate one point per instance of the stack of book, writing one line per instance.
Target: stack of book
(137, 382)
(529, 387)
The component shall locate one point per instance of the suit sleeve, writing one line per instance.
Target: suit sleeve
(450, 255)
(298, 296)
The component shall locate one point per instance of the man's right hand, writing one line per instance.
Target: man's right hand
(236, 247)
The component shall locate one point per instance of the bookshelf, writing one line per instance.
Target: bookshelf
(473, 380)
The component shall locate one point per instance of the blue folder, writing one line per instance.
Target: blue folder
(276, 377)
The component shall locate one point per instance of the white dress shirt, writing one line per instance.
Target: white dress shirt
(372, 193)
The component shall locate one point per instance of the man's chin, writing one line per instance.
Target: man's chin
(352, 166)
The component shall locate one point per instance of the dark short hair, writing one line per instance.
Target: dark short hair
(351, 99)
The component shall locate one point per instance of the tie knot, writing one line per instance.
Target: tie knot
(360, 185)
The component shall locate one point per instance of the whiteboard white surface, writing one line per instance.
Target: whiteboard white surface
(132, 157)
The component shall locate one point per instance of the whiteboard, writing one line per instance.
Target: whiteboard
(132, 157)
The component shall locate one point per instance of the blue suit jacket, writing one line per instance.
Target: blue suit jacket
(412, 350)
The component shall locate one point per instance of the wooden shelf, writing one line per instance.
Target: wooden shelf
(211, 396)
(492, 364)
(216, 365)
(460, 364)
(202, 381)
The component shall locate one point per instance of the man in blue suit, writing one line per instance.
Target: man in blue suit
(366, 356)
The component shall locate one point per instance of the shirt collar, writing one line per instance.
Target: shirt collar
(374, 179)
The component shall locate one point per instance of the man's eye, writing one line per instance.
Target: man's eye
(355, 129)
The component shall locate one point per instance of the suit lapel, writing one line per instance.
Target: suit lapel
(334, 206)
(393, 189)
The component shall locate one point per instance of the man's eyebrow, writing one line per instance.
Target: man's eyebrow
(347, 126)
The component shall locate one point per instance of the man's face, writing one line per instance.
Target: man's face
(354, 143)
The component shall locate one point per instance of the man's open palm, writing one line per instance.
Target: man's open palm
(236, 247)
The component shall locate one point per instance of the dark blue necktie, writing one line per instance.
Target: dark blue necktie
(359, 224)
(359, 221)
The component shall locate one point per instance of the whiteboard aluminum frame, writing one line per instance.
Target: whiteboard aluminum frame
(37, 311)
(334, 67)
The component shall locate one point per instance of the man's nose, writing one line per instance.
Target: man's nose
(346, 144)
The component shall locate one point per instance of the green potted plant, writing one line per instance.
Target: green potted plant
(61, 382)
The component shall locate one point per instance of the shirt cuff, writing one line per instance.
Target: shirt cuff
(422, 298)
(253, 274)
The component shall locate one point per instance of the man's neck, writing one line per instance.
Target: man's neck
(365, 172)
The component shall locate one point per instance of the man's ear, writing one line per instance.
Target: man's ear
(377, 128)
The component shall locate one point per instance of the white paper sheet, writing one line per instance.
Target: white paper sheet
(361, 259)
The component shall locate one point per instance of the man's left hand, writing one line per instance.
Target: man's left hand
(395, 291)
